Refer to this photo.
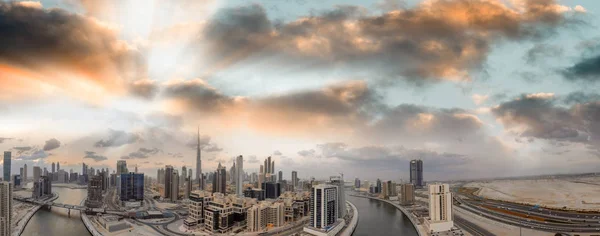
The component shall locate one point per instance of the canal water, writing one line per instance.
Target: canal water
(56, 221)
(380, 218)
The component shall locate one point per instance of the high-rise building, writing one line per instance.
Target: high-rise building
(21, 172)
(378, 186)
(94, 198)
(53, 167)
(416, 173)
(408, 194)
(239, 172)
(57, 166)
(16, 181)
(7, 159)
(183, 173)
(5, 208)
(188, 187)
(279, 176)
(265, 214)
(323, 206)
(199, 162)
(257, 193)
(272, 190)
(174, 186)
(220, 180)
(168, 181)
(295, 179)
(42, 188)
(25, 175)
(356, 183)
(440, 208)
(261, 177)
(121, 167)
(132, 187)
(37, 172)
(339, 182)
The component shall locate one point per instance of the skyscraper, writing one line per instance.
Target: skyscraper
(94, 198)
(24, 177)
(53, 167)
(7, 158)
(280, 176)
(121, 167)
(132, 187)
(416, 173)
(57, 166)
(339, 182)
(295, 179)
(199, 163)
(168, 181)
(174, 186)
(183, 173)
(5, 208)
(440, 208)
(37, 172)
(378, 186)
(239, 182)
(323, 206)
(220, 180)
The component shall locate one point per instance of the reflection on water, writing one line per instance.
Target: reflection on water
(380, 218)
(56, 221)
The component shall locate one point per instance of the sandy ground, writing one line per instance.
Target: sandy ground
(136, 229)
(572, 193)
(165, 205)
(20, 209)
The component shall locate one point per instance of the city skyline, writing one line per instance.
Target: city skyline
(319, 87)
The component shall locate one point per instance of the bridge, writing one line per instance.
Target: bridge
(80, 208)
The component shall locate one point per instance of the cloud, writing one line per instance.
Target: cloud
(146, 89)
(277, 153)
(435, 40)
(51, 144)
(175, 155)
(542, 116)
(212, 148)
(197, 94)
(252, 159)
(44, 50)
(118, 138)
(94, 156)
(307, 153)
(586, 70)
(142, 153)
(36, 155)
(542, 52)
(580, 97)
(205, 144)
(22, 149)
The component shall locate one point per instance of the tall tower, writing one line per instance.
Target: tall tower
(7, 159)
(239, 172)
(5, 208)
(24, 177)
(416, 173)
(57, 166)
(440, 208)
(199, 162)
(53, 167)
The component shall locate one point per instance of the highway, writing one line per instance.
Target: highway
(539, 221)
(473, 229)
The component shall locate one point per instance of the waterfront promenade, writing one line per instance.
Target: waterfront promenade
(18, 230)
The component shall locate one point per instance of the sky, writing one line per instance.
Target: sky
(474, 88)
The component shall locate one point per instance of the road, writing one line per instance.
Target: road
(473, 229)
(551, 223)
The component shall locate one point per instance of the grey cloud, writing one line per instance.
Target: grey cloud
(586, 70)
(198, 95)
(542, 52)
(36, 155)
(161, 119)
(277, 153)
(212, 148)
(146, 89)
(252, 159)
(396, 44)
(544, 118)
(22, 149)
(118, 138)
(51, 144)
(307, 153)
(35, 35)
(142, 153)
(175, 155)
(580, 97)
(94, 156)
(205, 144)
